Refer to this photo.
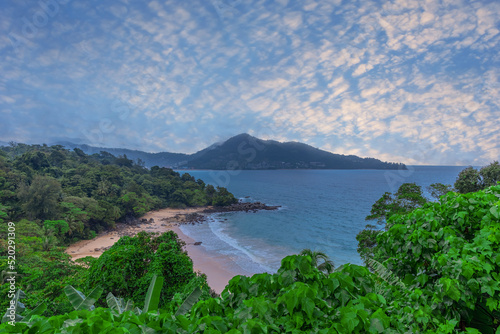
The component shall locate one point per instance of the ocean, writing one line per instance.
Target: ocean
(321, 210)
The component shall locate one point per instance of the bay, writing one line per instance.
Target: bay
(321, 210)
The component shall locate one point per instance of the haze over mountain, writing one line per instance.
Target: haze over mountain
(247, 152)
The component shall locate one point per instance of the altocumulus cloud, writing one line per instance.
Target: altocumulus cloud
(407, 80)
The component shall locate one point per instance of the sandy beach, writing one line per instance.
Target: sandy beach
(213, 265)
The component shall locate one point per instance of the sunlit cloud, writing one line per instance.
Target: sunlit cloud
(409, 81)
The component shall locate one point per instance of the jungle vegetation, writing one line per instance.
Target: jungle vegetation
(433, 267)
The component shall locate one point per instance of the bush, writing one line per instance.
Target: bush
(127, 267)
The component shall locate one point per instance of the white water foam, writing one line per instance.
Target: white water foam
(244, 256)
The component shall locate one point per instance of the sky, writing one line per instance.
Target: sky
(403, 81)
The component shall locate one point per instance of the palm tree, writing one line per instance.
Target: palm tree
(320, 260)
(48, 239)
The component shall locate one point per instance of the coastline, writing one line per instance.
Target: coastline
(215, 266)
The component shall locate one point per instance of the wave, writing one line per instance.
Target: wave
(248, 255)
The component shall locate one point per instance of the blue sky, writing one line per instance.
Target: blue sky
(406, 81)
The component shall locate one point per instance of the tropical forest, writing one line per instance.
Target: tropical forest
(431, 266)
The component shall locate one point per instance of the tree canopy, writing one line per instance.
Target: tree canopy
(91, 192)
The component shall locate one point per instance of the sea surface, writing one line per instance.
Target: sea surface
(322, 210)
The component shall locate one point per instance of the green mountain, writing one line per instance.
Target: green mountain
(162, 159)
(246, 152)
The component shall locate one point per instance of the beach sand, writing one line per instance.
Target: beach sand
(216, 267)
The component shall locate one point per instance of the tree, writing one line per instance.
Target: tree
(438, 189)
(223, 197)
(319, 260)
(127, 267)
(57, 227)
(39, 200)
(408, 197)
(3, 214)
(448, 251)
(490, 174)
(367, 242)
(75, 217)
(471, 180)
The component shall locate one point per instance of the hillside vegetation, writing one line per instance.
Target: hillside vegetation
(435, 271)
(77, 195)
(247, 152)
(55, 197)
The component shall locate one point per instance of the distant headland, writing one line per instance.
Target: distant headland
(248, 153)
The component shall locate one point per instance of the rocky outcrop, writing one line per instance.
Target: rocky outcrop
(246, 207)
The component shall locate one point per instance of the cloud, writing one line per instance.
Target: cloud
(410, 81)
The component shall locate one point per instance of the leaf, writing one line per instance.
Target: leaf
(37, 311)
(349, 321)
(453, 293)
(114, 303)
(384, 273)
(147, 330)
(153, 294)
(78, 299)
(492, 304)
(494, 212)
(189, 302)
(18, 308)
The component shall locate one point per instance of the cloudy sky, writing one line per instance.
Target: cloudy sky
(405, 80)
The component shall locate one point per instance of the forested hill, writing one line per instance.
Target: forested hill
(83, 194)
(246, 152)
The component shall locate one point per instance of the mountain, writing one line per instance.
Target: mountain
(167, 159)
(246, 152)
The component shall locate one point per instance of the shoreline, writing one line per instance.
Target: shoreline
(214, 266)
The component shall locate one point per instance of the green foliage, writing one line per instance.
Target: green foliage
(320, 260)
(90, 193)
(68, 196)
(189, 302)
(39, 200)
(127, 268)
(59, 227)
(223, 197)
(408, 197)
(153, 294)
(470, 179)
(447, 251)
(16, 308)
(297, 299)
(3, 214)
(119, 305)
(438, 189)
(78, 299)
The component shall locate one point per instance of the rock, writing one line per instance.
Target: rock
(247, 207)
(97, 249)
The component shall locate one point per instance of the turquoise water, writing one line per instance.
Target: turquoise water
(321, 210)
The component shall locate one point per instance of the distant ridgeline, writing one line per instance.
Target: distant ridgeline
(246, 152)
